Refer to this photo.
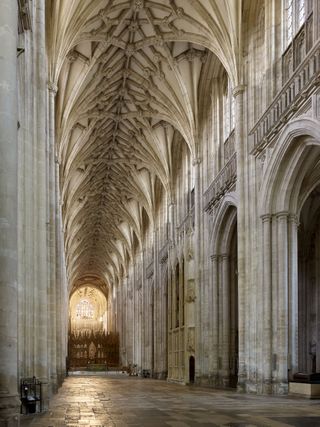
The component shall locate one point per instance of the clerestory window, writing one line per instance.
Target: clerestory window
(296, 13)
(298, 34)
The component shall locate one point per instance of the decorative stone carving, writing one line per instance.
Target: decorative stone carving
(52, 87)
(130, 49)
(191, 341)
(72, 56)
(191, 293)
(92, 350)
(138, 4)
(134, 26)
(179, 12)
(158, 41)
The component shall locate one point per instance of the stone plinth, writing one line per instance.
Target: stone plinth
(309, 390)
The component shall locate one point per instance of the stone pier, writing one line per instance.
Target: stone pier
(9, 401)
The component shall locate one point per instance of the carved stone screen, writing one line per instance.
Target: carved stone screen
(95, 348)
(91, 341)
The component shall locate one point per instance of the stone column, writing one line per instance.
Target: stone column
(241, 227)
(52, 235)
(282, 380)
(135, 342)
(265, 297)
(170, 320)
(293, 294)
(9, 401)
(215, 318)
(40, 292)
(225, 319)
(171, 216)
(141, 308)
(275, 300)
(205, 323)
(220, 319)
(62, 296)
(125, 318)
(164, 322)
(128, 324)
(156, 304)
(199, 344)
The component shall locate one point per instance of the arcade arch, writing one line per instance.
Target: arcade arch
(225, 295)
(290, 213)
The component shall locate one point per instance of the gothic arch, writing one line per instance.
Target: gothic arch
(225, 293)
(290, 177)
(223, 218)
(288, 165)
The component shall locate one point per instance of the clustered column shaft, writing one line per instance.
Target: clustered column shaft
(9, 402)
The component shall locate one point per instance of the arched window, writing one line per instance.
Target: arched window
(296, 13)
(289, 16)
(84, 310)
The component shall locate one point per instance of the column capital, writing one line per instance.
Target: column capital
(214, 257)
(238, 90)
(196, 161)
(282, 214)
(266, 217)
(293, 218)
(52, 87)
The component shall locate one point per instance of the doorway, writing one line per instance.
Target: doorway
(191, 370)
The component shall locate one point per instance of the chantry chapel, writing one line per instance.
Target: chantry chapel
(159, 192)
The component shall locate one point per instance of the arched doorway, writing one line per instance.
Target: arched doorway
(225, 298)
(191, 369)
(234, 328)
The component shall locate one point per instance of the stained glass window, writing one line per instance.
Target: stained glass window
(84, 310)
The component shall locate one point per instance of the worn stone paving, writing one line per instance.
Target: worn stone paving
(109, 401)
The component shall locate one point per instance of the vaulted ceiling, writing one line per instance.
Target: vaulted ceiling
(128, 76)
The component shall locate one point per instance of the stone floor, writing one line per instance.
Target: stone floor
(108, 401)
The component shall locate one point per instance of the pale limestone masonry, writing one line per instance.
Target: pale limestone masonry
(9, 402)
(166, 153)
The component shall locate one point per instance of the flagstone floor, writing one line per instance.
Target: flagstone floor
(110, 401)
